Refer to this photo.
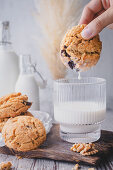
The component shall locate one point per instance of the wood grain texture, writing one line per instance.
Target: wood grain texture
(44, 164)
(56, 149)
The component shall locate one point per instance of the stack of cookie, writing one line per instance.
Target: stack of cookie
(13, 105)
(20, 130)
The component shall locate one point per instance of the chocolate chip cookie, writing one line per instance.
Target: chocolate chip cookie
(23, 133)
(4, 120)
(13, 105)
(78, 53)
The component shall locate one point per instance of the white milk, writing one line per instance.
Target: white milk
(9, 61)
(79, 76)
(9, 71)
(26, 84)
(72, 114)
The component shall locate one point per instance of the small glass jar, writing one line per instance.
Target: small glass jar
(30, 80)
(79, 108)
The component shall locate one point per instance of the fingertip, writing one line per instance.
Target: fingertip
(86, 33)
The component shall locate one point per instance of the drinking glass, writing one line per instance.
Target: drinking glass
(79, 108)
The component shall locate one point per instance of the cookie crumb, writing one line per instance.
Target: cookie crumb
(76, 167)
(5, 165)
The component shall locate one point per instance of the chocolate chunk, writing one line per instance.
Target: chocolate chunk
(90, 39)
(29, 126)
(71, 64)
(27, 103)
(65, 46)
(95, 52)
(22, 113)
(63, 51)
(68, 55)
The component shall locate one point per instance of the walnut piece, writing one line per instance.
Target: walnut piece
(84, 149)
(5, 165)
(76, 167)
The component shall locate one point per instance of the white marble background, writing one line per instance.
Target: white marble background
(24, 28)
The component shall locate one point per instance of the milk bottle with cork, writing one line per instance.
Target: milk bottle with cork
(29, 81)
(9, 61)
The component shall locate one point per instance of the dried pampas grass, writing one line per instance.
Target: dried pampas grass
(54, 18)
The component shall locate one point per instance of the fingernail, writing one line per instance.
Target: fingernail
(86, 33)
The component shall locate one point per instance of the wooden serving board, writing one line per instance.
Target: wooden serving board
(56, 149)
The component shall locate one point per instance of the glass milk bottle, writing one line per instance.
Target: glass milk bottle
(28, 82)
(9, 61)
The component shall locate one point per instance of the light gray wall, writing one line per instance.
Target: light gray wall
(23, 31)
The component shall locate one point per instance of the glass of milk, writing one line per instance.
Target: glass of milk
(79, 108)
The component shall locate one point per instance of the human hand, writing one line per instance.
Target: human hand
(97, 14)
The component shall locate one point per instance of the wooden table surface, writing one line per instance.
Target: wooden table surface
(42, 164)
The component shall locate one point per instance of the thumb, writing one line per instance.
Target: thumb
(97, 25)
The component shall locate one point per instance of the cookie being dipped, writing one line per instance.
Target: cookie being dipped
(78, 53)
(23, 133)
